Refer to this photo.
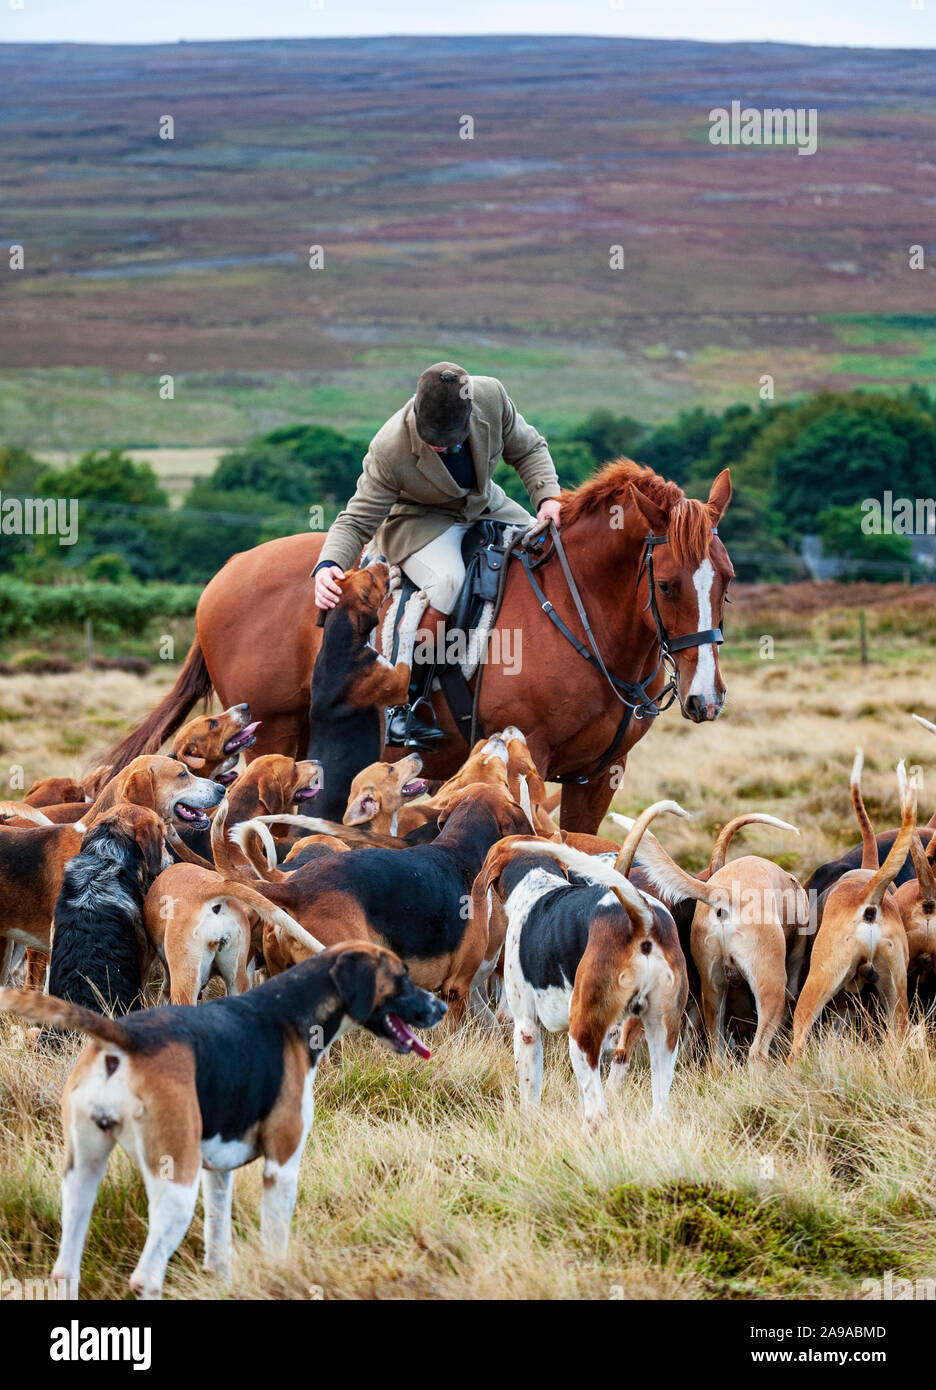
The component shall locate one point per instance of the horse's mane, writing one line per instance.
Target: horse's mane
(689, 521)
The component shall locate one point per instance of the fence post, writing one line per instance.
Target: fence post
(863, 635)
(89, 640)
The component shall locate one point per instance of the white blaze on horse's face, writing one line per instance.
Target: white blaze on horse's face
(708, 698)
(704, 678)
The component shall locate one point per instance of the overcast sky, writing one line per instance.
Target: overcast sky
(852, 23)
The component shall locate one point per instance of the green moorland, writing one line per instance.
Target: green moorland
(62, 411)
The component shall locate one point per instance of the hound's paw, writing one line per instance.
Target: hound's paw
(146, 1289)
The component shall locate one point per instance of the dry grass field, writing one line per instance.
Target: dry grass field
(425, 1180)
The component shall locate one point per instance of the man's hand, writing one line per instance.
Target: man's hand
(327, 590)
(550, 509)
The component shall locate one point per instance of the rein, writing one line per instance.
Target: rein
(632, 695)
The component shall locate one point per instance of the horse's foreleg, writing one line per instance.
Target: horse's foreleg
(584, 805)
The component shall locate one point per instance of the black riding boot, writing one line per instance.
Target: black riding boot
(404, 727)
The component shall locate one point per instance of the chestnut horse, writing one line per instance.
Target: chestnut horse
(648, 565)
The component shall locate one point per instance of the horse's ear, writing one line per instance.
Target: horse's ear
(720, 495)
(653, 514)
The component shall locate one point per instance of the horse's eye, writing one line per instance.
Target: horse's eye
(666, 589)
(212, 723)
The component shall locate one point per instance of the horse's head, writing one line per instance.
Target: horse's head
(683, 584)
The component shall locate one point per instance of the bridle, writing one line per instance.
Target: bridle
(668, 645)
(634, 696)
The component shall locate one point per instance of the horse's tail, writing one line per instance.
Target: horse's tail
(193, 683)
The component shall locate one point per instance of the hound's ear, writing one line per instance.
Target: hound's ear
(653, 514)
(720, 495)
(190, 758)
(498, 857)
(356, 981)
(151, 842)
(247, 803)
(445, 808)
(363, 809)
(138, 788)
(270, 792)
(284, 771)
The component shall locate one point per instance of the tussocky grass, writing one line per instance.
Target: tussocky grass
(429, 1181)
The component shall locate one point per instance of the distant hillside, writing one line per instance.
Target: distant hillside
(190, 256)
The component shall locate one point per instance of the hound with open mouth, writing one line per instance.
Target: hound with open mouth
(414, 899)
(32, 861)
(209, 746)
(183, 1090)
(239, 742)
(379, 792)
(272, 784)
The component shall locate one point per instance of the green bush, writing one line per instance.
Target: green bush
(109, 568)
(30, 608)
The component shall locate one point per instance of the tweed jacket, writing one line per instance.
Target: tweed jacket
(406, 497)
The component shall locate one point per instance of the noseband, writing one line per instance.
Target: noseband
(632, 695)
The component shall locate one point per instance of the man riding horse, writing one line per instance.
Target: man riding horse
(427, 477)
(616, 618)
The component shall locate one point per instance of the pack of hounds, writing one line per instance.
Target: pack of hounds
(462, 899)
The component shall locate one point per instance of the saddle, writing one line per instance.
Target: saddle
(486, 553)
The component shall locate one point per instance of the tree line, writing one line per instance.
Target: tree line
(798, 468)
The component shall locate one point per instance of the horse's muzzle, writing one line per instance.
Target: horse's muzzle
(701, 708)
